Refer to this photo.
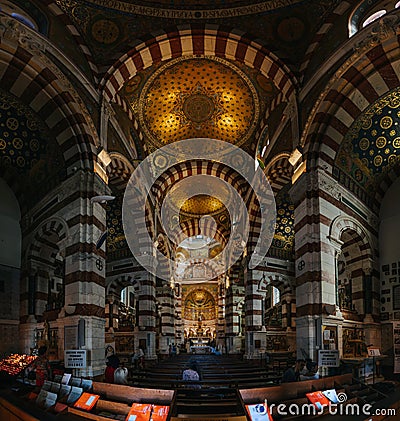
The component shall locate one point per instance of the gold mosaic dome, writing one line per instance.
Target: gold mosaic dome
(198, 98)
(203, 203)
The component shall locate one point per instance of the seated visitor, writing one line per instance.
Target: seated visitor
(138, 359)
(121, 375)
(310, 371)
(192, 374)
(292, 374)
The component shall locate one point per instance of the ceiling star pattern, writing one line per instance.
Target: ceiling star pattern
(283, 241)
(192, 98)
(372, 145)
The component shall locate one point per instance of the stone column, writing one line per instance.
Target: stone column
(85, 268)
(220, 328)
(165, 297)
(179, 333)
(254, 316)
(315, 258)
(147, 313)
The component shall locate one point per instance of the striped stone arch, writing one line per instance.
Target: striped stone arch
(28, 74)
(328, 24)
(46, 240)
(190, 228)
(201, 40)
(116, 285)
(283, 283)
(343, 224)
(65, 19)
(279, 172)
(191, 168)
(119, 171)
(213, 266)
(371, 72)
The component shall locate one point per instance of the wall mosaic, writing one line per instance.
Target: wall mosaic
(27, 149)
(115, 236)
(372, 146)
(283, 241)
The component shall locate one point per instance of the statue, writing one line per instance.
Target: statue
(46, 331)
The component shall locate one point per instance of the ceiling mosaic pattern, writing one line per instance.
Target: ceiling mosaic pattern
(202, 204)
(115, 235)
(189, 98)
(27, 150)
(372, 145)
(21, 134)
(283, 241)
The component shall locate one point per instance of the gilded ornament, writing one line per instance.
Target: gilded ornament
(18, 143)
(378, 161)
(366, 123)
(386, 122)
(12, 123)
(381, 142)
(364, 144)
(396, 142)
(392, 159)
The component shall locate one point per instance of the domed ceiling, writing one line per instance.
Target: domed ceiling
(28, 152)
(197, 98)
(372, 146)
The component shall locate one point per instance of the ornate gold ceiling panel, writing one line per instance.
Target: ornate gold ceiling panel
(202, 205)
(193, 97)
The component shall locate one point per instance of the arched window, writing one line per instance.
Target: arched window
(24, 20)
(19, 14)
(368, 12)
(374, 17)
(276, 296)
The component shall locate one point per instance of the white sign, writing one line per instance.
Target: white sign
(373, 352)
(328, 358)
(75, 358)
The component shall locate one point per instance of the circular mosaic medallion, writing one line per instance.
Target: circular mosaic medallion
(381, 142)
(386, 122)
(366, 123)
(378, 160)
(364, 144)
(198, 108)
(105, 31)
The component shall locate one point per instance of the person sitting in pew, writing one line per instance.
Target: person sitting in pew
(310, 371)
(121, 375)
(190, 374)
(292, 374)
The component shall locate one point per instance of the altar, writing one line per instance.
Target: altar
(200, 349)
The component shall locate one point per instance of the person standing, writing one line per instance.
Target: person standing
(112, 364)
(42, 367)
